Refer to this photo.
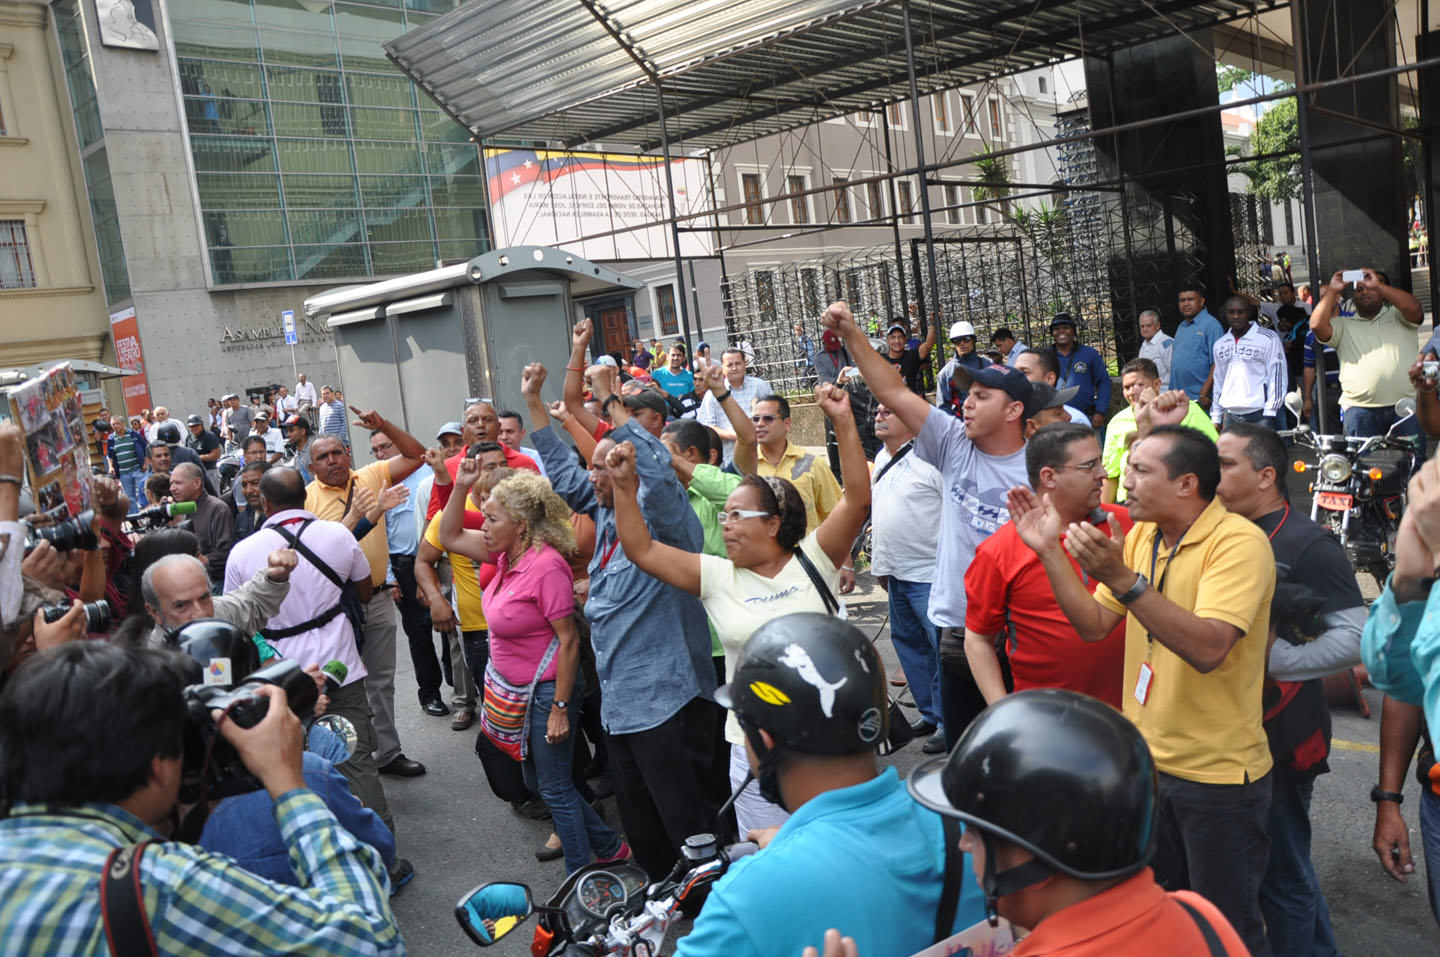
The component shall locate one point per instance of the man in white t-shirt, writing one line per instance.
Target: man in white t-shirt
(305, 391)
(274, 438)
(1155, 345)
(286, 404)
(745, 388)
(902, 559)
(979, 460)
(162, 415)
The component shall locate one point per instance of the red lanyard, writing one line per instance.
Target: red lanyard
(605, 559)
(1282, 522)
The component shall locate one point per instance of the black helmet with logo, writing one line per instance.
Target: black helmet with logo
(1060, 774)
(815, 684)
(169, 432)
(226, 655)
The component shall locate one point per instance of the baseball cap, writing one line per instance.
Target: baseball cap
(648, 399)
(607, 360)
(291, 421)
(194, 420)
(1062, 319)
(1010, 381)
(228, 396)
(702, 345)
(900, 326)
(449, 428)
(961, 328)
(1044, 396)
(261, 414)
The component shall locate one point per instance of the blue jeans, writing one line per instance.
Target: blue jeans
(1258, 417)
(548, 771)
(1297, 919)
(915, 640)
(1430, 837)
(134, 485)
(1364, 421)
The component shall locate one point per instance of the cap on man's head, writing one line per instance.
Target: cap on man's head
(260, 416)
(898, 327)
(228, 396)
(449, 428)
(961, 329)
(1045, 396)
(1010, 381)
(702, 345)
(1062, 319)
(646, 399)
(194, 420)
(293, 420)
(607, 360)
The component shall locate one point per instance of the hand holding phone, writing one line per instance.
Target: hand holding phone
(1353, 275)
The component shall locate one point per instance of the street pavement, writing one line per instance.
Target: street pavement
(459, 835)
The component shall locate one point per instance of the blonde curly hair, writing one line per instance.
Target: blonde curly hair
(528, 498)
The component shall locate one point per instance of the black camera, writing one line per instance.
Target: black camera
(98, 615)
(212, 767)
(66, 535)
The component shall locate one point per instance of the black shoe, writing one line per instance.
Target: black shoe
(401, 873)
(533, 809)
(434, 707)
(547, 853)
(922, 727)
(403, 767)
(603, 787)
(935, 744)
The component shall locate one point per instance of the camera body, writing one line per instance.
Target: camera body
(212, 767)
(98, 616)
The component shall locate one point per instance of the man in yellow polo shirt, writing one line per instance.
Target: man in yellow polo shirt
(810, 474)
(330, 496)
(1193, 583)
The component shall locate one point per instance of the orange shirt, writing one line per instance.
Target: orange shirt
(1135, 918)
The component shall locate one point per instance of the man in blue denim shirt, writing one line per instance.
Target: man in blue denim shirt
(652, 646)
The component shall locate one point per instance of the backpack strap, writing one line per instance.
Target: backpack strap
(832, 604)
(954, 876)
(278, 634)
(310, 556)
(122, 904)
(1207, 930)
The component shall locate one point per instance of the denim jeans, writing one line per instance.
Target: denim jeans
(1364, 420)
(915, 640)
(1211, 839)
(134, 485)
(1297, 919)
(1430, 837)
(548, 771)
(1258, 417)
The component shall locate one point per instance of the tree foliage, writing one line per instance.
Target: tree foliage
(1230, 77)
(1276, 178)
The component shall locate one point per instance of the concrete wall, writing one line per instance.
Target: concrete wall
(64, 315)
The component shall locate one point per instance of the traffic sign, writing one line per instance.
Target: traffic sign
(287, 319)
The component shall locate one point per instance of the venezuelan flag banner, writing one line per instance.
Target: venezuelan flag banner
(603, 206)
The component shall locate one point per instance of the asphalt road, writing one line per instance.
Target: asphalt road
(459, 835)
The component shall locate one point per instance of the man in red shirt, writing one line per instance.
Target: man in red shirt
(480, 424)
(1009, 594)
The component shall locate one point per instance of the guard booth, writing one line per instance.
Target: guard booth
(415, 348)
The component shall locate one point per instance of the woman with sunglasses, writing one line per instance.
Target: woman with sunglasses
(765, 574)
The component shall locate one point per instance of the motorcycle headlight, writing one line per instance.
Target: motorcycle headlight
(1335, 468)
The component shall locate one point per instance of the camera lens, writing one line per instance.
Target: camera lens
(71, 534)
(97, 615)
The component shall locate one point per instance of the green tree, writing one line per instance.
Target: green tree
(1229, 77)
(994, 172)
(1276, 177)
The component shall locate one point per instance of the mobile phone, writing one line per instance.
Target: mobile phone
(1353, 275)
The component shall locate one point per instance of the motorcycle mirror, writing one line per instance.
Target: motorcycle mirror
(1405, 407)
(1294, 403)
(342, 729)
(491, 911)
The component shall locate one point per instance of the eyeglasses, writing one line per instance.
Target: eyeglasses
(761, 419)
(1089, 466)
(735, 514)
(477, 400)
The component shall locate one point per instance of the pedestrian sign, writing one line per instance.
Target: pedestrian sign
(287, 319)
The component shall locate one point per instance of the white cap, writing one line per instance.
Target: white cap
(961, 328)
(606, 360)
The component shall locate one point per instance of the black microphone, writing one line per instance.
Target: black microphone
(335, 674)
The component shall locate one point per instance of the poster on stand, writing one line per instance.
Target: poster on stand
(56, 453)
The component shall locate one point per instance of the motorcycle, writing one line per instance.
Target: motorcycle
(602, 910)
(1360, 487)
(228, 467)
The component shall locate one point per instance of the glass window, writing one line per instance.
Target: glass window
(380, 191)
(942, 112)
(331, 262)
(402, 257)
(967, 103)
(462, 250)
(754, 212)
(997, 130)
(17, 271)
(257, 228)
(907, 201)
(799, 205)
(238, 191)
(314, 156)
(952, 203)
(270, 264)
(460, 223)
(317, 190)
(875, 199)
(378, 124)
(842, 199)
(457, 191)
(366, 89)
(397, 225)
(439, 128)
(232, 154)
(665, 305)
(326, 226)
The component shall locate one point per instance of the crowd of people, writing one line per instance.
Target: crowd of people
(1114, 628)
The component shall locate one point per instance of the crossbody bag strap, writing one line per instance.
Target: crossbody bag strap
(1207, 930)
(310, 556)
(122, 904)
(954, 876)
(832, 604)
(904, 451)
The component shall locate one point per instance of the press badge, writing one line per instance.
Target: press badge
(1142, 683)
(218, 672)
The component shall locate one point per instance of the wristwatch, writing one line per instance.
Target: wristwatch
(1134, 591)
(562, 705)
(1377, 795)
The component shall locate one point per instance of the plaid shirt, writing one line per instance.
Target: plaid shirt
(197, 903)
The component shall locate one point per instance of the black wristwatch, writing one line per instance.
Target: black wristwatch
(1377, 795)
(561, 704)
(1134, 591)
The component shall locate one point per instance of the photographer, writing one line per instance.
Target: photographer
(81, 802)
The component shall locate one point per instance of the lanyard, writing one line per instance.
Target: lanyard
(610, 552)
(1282, 522)
(1160, 585)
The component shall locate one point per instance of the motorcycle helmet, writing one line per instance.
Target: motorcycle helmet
(815, 684)
(1060, 774)
(226, 656)
(169, 433)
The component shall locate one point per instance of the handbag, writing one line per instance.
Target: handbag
(899, 733)
(505, 710)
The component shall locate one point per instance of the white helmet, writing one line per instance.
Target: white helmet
(961, 328)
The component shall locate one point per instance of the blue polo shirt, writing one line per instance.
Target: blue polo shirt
(1193, 355)
(866, 860)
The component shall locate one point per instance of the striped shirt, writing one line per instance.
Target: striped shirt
(196, 902)
(332, 421)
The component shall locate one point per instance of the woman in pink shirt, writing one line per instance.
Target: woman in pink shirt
(534, 646)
